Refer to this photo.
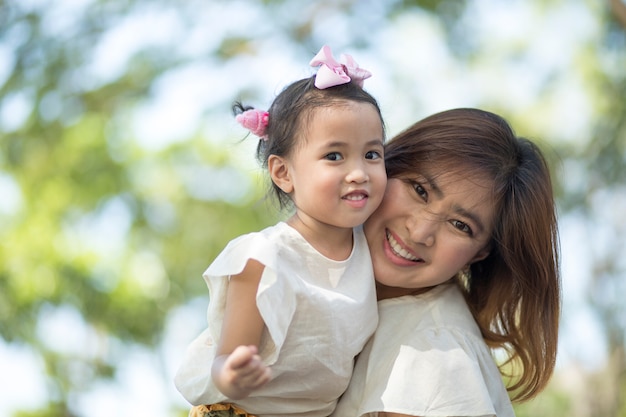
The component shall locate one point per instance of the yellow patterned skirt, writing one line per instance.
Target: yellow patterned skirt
(219, 410)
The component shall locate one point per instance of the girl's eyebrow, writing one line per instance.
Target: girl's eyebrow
(375, 142)
(338, 144)
(432, 183)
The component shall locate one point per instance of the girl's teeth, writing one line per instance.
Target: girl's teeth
(398, 250)
(355, 197)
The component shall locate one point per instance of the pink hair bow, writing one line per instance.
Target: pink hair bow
(332, 73)
(255, 121)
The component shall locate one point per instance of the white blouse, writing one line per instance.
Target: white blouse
(318, 313)
(427, 358)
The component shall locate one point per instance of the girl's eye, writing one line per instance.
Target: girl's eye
(334, 156)
(463, 227)
(373, 155)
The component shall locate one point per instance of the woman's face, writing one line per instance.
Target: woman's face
(429, 226)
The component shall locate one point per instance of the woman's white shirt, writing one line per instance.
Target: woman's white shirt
(427, 358)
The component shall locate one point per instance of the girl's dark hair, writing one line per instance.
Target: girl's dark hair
(515, 293)
(289, 115)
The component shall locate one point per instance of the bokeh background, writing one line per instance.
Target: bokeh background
(123, 173)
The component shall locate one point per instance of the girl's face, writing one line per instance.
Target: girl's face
(428, 228)
(336, 174)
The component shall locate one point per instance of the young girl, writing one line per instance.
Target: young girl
(465, 254)
(292, 305)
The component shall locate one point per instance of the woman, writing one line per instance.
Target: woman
(465, 254)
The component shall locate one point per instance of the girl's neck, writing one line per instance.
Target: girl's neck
(333, 242)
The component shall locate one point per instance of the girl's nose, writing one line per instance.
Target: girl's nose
(357, 174)
(422, 228)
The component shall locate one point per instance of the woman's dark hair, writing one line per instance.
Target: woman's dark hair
(290, 113)
(514, 293)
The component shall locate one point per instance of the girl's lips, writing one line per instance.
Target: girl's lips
(355, 195)
(357, 199)
(399, 251)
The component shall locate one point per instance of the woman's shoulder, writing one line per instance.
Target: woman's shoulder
(428, 346)
(441, 308)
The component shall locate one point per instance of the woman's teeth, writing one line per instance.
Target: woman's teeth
(398, 250)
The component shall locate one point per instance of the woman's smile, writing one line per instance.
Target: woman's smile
(398, 250)
(414, 235)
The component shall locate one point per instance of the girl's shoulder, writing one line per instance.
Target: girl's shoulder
(279, 235)
(262, 246)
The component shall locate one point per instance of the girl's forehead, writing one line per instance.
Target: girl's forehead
(311, 117)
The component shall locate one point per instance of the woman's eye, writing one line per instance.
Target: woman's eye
(420, 190)
(373, 155)
(334, 156)
(463, 227)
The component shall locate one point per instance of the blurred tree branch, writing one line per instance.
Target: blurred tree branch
(619, 11)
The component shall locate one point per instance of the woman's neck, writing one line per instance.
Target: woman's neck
(384, 292)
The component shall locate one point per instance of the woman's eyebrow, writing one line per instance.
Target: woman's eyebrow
(432, 183)
(470, 215)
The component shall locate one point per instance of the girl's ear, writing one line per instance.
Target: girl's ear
(279, 172)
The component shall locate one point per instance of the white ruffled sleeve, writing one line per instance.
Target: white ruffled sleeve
(275, 300)
(193, 378)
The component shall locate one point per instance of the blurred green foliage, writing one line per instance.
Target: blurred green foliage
(102, 224)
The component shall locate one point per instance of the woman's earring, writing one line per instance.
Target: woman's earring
(464, 275)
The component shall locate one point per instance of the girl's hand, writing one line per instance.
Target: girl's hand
(238, 374)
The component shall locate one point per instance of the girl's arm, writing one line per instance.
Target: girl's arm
(237, 369)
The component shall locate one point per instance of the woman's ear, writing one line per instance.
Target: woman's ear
(279, 172)
(482, 254)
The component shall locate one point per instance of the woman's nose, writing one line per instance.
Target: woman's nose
(423, 227)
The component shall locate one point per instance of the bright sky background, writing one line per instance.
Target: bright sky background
(436, 82)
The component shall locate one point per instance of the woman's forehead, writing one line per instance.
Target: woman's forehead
(454, 170)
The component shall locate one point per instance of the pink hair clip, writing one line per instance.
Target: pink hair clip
(332, 73)
(255, 121)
